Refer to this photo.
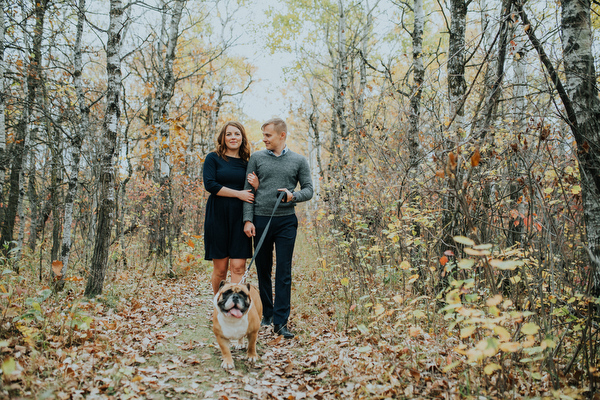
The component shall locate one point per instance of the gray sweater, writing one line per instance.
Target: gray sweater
(274, 173)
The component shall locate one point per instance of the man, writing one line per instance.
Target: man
(278, 170)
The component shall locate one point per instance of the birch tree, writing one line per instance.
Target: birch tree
(3, 154)
(33, 83)
(584, 117)
(110, 126)
(76, 143)
(582, 107)
(2, 104)
(456, 96)
(164, 93)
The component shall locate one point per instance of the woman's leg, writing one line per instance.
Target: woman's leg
(219, 273)
(238, 269)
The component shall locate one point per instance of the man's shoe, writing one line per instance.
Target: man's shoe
(282, 330)
(266, 321)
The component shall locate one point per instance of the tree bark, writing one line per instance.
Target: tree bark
(343, 79)
(456, 92)
(76, 143)
(417, 86)
(2, 104)
(33, 82)
(106, 202)
(415, 114)
(161, 119)
(581, 87)
(456, 59)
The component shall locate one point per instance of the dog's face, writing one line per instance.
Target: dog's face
(233, 300)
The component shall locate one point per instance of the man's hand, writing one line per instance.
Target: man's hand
(288, 195)
(249, 229)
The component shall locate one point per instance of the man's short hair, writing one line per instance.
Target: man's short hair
(278, 124)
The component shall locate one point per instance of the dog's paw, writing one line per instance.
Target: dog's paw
(239, 345)
(253, 357)
(227, 364)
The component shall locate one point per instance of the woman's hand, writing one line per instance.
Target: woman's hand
(253, 180)
(246, 195)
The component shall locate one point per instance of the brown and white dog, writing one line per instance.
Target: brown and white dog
(237, 314)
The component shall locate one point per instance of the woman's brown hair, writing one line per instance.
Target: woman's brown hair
(244, 147)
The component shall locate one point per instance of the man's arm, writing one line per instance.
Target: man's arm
(304, 178)
(248, 208)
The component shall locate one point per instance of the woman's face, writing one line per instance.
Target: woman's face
(233, 138)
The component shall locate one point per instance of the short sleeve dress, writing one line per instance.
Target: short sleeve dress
(223, 226)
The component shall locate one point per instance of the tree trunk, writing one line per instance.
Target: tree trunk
(33, 82)
(2, 105)
(415, 115)
(343, 80)
(581, 87)
(76, 143)
(417, 87)
(517, 204)
(106, 202)
(456, 93)
(456, 60)
(164, 96)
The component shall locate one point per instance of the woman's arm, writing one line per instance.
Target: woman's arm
(209, 176)
(244, 195)
(253, 180)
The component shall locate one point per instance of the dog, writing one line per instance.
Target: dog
(237, 314)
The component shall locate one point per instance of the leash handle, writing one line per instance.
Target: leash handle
(262, 237)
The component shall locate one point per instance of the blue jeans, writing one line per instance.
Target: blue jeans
(282, 235)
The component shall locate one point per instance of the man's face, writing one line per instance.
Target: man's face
(273, 141)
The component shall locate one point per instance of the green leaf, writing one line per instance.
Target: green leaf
(363, 329)
(530, 328)
(450, 366)
(9, 366)
(36, 306)
(490, 368)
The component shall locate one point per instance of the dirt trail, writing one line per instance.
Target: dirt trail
(186, 363)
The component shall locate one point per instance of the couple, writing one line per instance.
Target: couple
(244, 190)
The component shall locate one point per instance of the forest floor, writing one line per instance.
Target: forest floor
(151, 337)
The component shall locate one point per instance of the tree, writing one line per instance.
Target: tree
(76, 143)
(33, 85)
(106, 201)
(2, 104)
(584, 118)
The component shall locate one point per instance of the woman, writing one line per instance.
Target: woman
(224, 174)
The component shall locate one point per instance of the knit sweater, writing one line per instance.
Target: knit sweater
(273, 173)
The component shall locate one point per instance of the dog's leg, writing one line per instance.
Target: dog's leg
(238, 344)
(252, 355)
(226, 352)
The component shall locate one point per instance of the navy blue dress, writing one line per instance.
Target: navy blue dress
(223, 227)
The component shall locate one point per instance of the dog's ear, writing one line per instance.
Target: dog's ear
(248, 286)
(222, 284)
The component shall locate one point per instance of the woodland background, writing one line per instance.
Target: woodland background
(455, 154)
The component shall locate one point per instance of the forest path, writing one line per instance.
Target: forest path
(185, 360)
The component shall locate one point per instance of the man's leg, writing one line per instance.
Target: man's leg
(285, 238)
(264, 266)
